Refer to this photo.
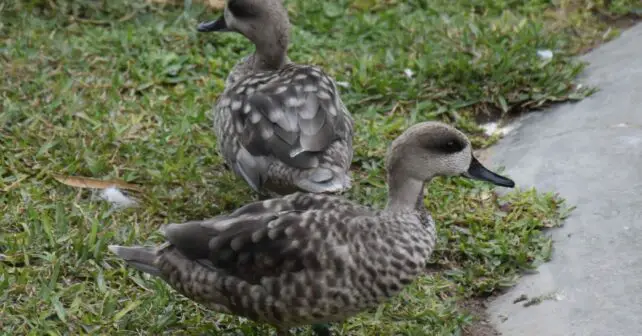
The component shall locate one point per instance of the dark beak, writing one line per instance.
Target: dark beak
(478, 172)
(218, 25)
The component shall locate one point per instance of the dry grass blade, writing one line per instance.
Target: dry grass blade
(15, 184)
(87, 182)
(214, 4)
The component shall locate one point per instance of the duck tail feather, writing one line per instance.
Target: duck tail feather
(141, 258)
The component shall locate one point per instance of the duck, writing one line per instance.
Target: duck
(281, 126)
(314, 259)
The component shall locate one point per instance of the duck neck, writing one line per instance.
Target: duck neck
(271, 55)
(405, 194)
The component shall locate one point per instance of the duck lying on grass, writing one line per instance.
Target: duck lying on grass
(281, 126)
(315, 258)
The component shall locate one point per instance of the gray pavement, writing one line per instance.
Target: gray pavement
(591, 153)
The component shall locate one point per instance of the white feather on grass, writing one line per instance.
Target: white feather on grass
(408, 72)
(545, 54)
(114, 196)
(492, 128)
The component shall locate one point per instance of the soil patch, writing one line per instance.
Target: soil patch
(481, 325)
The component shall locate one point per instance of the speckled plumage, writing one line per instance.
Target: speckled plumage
(312, 258)
(297, 260)
(288, 266)
(281, 126)
(286, 130)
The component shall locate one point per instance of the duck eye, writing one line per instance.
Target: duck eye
(450, 146)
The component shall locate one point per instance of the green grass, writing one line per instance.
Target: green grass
(120, 89)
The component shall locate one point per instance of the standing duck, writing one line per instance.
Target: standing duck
(315, 258)
(281, 126)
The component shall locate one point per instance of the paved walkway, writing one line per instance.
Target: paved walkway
(591, 153)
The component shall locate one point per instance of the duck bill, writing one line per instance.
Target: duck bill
(478, 172)
(218, 25)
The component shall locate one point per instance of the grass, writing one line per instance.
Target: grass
(120, 89)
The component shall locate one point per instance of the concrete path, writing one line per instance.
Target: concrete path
(591, 153)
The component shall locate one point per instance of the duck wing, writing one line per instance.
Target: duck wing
(268, 239)
(292, 117)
